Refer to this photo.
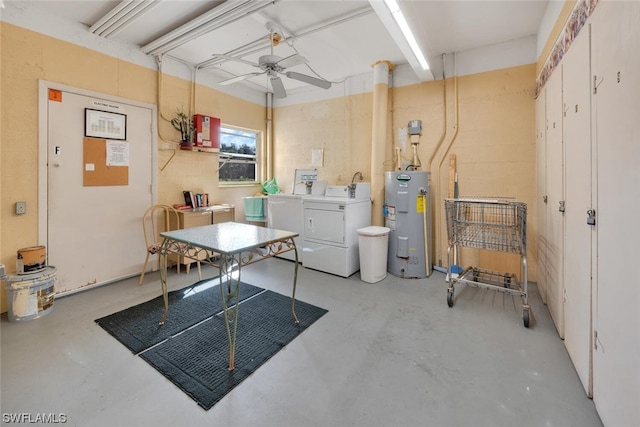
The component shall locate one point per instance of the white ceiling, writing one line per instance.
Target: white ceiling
(339, 39)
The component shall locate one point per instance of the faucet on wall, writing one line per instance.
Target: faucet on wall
(359, 175)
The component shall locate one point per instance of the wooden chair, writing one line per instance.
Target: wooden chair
(156, 219)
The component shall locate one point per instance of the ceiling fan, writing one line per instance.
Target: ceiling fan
(272, 65)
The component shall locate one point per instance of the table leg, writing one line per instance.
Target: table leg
(295, 279)
(228, 293)
(163, 281)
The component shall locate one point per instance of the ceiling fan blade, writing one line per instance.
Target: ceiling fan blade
(308, 79)
(278, 87)
(238, 79)
(233, 58)
(292, 60)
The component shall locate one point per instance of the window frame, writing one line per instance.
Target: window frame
(226, 158)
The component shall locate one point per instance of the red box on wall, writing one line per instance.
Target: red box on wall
(207, 131)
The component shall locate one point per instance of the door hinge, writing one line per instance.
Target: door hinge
(597, 341)
(597, 344)
(545, 199)
(561, 207)
(596, 83)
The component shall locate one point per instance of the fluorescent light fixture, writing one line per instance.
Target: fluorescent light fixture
(406, 32)
(121, 16)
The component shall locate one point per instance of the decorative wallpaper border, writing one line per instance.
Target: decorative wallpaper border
(574, 24)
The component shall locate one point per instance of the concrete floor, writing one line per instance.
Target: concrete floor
(387, 354)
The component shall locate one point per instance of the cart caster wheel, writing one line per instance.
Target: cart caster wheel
(525, 317)
(450, 298)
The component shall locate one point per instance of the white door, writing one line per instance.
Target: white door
(541, 185)
(576, 89)
(94, 233)
(554, 227)
(616, 67)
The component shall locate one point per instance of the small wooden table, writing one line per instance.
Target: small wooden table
(228, 246)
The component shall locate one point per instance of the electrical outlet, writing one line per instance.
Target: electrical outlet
(21, 208)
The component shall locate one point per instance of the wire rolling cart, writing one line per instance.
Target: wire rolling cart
(493, 224)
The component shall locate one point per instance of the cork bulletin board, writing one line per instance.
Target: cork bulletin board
(105, 162)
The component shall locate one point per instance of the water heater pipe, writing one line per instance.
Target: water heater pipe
(415, 160)
(424, 230)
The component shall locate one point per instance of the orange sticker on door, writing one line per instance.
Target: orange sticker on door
(55, 95)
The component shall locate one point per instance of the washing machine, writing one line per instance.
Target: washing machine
(285, 213)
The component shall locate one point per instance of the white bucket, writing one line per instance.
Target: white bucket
(31, 295)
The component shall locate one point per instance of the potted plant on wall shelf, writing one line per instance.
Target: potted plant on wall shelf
(182, 123)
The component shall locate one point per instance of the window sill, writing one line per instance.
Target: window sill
(239, 184)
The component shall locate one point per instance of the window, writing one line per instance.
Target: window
(240, 164)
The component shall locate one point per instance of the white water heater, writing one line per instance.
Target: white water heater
(407, 213)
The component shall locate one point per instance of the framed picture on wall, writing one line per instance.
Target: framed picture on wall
(104, 124)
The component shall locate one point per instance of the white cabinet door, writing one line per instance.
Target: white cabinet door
(616, 66)
(554, 226)
(576, 90)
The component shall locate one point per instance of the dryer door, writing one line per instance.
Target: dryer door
(324, 225)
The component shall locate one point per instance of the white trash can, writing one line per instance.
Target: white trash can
(374, 246)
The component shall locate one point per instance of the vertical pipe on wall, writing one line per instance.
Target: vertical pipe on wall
(439, 201)
(378, 138)
(160, 115)
(268, 145)
(192, 94)
(444, 118)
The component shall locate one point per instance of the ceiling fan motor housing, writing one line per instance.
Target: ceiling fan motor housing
(270, 62)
